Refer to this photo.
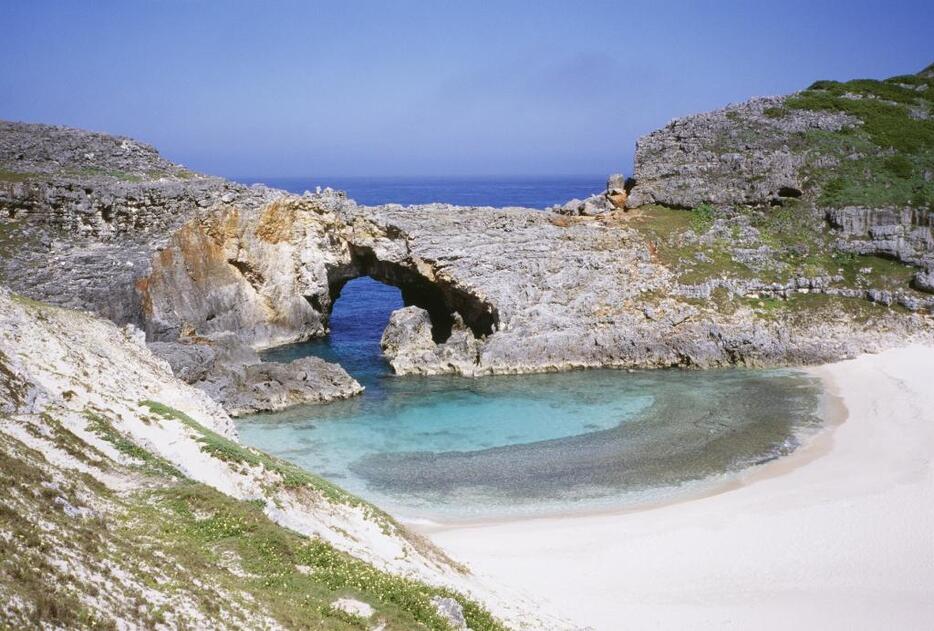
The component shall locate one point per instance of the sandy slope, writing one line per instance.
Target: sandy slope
(844, 539)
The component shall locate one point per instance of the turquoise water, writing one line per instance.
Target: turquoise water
(459, 448)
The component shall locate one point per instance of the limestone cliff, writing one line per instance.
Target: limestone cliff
(750, 252)
(858, 155)
(85, 219)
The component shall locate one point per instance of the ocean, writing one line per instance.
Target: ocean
(529, 192)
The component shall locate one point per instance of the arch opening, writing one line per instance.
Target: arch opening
(439, 299)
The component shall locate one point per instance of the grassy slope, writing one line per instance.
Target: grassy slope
(200, 551)
(886, 161)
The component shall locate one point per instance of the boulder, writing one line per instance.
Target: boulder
(353, 607)
(452, 612)
(617, 191)
(408, 332)
(408, 345)
(234, 375)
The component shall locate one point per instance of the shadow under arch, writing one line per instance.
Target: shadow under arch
(440, 299)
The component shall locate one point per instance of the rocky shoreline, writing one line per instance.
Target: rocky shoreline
(135, 294)
(719, 251)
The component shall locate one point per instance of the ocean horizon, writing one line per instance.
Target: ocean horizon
(526, 191)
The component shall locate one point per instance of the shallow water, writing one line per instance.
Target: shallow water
(459, 448)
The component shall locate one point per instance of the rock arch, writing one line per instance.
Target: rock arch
(442, 300)
(271, 275)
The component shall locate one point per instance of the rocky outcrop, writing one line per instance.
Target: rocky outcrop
(736, 155)
(408, 345)
(513, 290)
(103, 223)
(857, 152)
(83, 214)
(613, 197)
(234, 376)
(904, 234)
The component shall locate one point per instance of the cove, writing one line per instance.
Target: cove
(464, 448)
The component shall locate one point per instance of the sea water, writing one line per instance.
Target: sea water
(529, 192)
(455, 448)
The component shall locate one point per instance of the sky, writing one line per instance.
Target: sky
(292, 89)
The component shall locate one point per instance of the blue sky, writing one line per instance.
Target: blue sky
(250, 88)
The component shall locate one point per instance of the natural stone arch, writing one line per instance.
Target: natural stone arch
(442, 300)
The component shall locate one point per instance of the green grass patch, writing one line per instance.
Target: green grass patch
(151, 462)
(293, 476)
(17, 176)
(293, 577)
(816, 307)
(123, 176)
(702, 217)
(884, 160)
(229, 451)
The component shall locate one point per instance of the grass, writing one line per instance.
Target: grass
(186, 541)
(884, 160)
(702, 217)
(801, 244)
(17, 176)
(295, 477)
(815, 307)
(123, 176)
(25, 570)
(292, 577)
(668, 231)
(151, 463)
(229, 451)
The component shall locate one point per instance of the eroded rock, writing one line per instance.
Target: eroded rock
(233, 375)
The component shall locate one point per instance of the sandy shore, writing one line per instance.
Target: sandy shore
(838, 536)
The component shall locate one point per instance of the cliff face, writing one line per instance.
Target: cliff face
(504, 290)
(517, 290)
(859, 155)
(742, 154)
(84, 213)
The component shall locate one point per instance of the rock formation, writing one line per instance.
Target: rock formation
(233, 375)
(780, 231)
(859, 153)
(766, 268)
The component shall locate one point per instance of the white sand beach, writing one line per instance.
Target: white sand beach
(840, 535)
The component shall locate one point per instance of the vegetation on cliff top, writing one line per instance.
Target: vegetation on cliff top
(887, 160)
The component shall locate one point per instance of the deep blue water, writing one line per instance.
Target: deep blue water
(530, 192)
(456, 448)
